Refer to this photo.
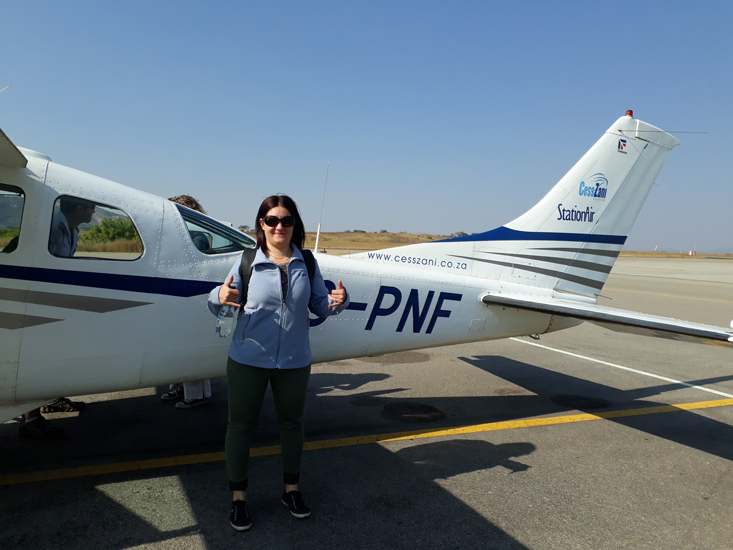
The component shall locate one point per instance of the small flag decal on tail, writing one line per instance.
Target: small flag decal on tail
(622, 146)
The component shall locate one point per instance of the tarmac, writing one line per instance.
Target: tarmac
(585, 439)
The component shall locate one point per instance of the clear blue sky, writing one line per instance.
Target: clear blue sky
(436, 117)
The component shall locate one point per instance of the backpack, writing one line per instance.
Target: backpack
(245, 269)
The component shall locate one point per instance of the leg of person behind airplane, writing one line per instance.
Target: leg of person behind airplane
(174, 393)
(197, 390)
(194, 394)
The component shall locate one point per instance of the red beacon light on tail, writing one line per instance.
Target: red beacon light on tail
(630, 113)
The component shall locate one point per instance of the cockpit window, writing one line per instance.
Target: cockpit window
(11, 213)
(85, 229)
(211, 236)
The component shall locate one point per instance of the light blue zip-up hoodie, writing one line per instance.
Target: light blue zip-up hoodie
(272, 333)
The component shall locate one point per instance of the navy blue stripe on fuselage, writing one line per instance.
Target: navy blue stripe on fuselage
(111, 281)
(505, 234)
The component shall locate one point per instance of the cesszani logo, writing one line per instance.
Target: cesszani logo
(595, 186)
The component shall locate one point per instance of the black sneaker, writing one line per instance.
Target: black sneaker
(40, 428)
(294, 501)
(173, 394)
(239, 517)
(188, 403)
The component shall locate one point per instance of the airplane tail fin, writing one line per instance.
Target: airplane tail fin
(569, 240)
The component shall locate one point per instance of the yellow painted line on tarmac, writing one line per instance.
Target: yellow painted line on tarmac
(514, 424)
(718, 343)
(669, 296)
(100, 469)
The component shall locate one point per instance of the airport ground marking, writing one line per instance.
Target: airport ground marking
(629, 369)
(718, 343)
(140, 465)
(670, 296)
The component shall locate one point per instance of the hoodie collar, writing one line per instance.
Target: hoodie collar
(260, 257)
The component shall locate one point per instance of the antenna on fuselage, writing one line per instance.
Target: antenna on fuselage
(318, 233)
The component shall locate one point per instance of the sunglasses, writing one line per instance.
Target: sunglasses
(272, 221)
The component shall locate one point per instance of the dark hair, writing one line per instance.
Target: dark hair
(189, 202)
(298, 238)
(69, 204)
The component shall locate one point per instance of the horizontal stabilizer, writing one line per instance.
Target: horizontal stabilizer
(615, 319)
(9, 154)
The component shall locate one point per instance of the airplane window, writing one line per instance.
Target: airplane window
(11, 213)
(86, 229)
(211, 236)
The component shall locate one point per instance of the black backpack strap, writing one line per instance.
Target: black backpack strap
(245, 269)
(245, 272)
(310, 264)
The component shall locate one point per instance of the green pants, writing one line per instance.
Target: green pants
(247, 386)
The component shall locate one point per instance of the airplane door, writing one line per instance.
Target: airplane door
(13, 290)
(12, 317)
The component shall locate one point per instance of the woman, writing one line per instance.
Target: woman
(270, 345)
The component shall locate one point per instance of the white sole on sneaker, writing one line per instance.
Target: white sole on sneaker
(171, 397)
(299, 516)
(191, 404)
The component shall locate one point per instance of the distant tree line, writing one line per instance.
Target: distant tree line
(110, 229)
(248, 229)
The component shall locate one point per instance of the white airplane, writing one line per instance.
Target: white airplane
(131, 313)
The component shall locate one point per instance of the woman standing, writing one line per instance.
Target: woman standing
(270, 345)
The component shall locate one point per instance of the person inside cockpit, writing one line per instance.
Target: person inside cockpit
(65, 227)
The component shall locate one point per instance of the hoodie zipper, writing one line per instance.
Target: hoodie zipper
(282, 312)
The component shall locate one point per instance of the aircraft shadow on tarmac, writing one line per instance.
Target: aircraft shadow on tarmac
(363, 496)
(550, 388)
(144, 427)
(323, 383)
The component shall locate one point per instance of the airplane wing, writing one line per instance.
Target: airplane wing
(617, 320)
(10, 155)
